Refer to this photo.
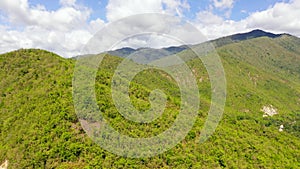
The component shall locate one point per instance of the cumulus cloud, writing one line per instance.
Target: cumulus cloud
(280, 18)
(96, 25)
(63, 31)
(214, 26)
(146, 30)
(67, 2)
(208, 18)
(67, 44)
(117, 9)
(180, 34)
(175, 7)
(65, 18)
(223, 4)
(67, 29)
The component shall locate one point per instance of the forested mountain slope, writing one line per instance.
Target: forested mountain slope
(39, 128)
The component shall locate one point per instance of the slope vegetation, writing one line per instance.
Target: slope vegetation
(39, 129)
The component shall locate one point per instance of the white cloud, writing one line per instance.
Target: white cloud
(148, 30)
(214, 26)
(175, 34)
(66, 44)
(67, 29)
(213, 29)
(64, 31)
(175, 7)
(117, 9)
(223, 4)
(208, 18)
(65, 18)
(96, 25)
(244, 11)
(67, 2)
(280, 18)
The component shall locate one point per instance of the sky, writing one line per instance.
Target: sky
(65, 26)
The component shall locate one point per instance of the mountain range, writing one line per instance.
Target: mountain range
(147, 55)
(260, 126)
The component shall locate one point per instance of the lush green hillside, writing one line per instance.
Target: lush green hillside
(39, 128)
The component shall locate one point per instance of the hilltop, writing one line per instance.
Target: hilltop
(257, 33)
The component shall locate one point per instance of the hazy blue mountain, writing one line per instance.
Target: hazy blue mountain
(244, 36)
(146, 55)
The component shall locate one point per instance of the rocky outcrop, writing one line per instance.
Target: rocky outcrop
(269, 111)
(4, 165)
(281, 128)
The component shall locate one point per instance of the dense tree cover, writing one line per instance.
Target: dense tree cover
(39, 128)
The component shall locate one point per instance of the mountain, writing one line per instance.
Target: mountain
(123, 52)
(254, 34)
(245, 36)
(146, 55)
(40, 129)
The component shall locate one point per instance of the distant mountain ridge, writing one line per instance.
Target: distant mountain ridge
(254, 34)
(257, 33)
(146, 55)
(146, 52)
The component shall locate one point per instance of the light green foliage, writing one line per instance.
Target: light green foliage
(39, 128)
